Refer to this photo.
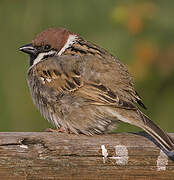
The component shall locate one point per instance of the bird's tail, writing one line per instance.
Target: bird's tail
(157, 133)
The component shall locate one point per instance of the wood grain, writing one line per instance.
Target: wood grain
(42, 155)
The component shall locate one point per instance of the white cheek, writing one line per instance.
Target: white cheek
(41, 56)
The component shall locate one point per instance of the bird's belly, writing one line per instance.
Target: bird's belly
(75, 114)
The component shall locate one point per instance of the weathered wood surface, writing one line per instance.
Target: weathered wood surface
(65, 156)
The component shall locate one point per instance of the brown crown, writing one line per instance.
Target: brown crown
(55, 37)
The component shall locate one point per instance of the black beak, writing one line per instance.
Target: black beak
(29, 49)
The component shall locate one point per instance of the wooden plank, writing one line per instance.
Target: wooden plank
(45, 155)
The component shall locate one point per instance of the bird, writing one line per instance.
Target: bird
(81, 88)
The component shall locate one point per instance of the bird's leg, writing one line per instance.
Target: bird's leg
(60, 130)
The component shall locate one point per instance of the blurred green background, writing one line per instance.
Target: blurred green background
(139, 32)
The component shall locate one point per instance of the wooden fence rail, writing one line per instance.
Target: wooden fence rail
(43, 155)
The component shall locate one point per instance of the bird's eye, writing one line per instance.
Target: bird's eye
(47, 47)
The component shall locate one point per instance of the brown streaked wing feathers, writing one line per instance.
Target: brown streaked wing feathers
(65, 75)
(53, 75)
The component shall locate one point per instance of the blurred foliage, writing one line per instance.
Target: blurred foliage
(139, 32)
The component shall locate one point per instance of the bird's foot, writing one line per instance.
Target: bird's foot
(60, 130)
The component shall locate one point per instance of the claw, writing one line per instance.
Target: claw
(60, 130)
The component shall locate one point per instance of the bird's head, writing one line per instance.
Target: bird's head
(51, 42)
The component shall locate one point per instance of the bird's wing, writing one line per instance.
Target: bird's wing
(51, 74)
(103, 82)
(108, 81)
